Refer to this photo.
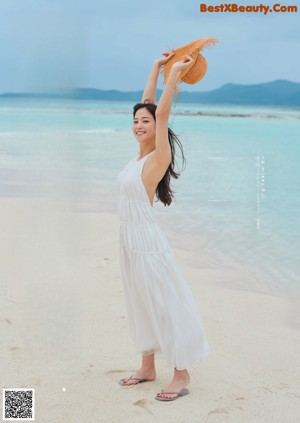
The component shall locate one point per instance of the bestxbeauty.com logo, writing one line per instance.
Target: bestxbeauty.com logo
(235, 8)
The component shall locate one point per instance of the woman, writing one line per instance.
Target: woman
(163, 317)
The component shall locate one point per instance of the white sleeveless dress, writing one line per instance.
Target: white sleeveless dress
(162, 313)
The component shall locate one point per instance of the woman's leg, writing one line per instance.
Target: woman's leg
(147, 370)
(180, 380)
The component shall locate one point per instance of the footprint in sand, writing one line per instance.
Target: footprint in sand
(217, 411)
(142, 403)
(5, 320)
(115, 371)
(107, 260)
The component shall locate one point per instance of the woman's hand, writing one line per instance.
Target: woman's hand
(184, 63)
(165, 59)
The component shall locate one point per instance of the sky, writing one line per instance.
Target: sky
(61, 44)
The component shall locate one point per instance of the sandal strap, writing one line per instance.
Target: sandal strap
(134, 378)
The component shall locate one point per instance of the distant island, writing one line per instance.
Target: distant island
(276, 93)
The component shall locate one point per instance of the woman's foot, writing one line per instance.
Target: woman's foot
(147, 371)
(180, 380)
(138, 377)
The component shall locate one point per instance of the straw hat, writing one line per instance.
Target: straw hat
(197, 70)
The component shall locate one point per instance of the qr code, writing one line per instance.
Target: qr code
(18, 404)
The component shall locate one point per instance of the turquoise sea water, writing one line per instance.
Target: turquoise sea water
(237, 202)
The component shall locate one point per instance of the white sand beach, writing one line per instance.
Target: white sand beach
(64, 330)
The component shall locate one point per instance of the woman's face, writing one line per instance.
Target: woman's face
(144, 126)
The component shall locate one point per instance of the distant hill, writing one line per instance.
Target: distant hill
(279, 93)
(275, 93)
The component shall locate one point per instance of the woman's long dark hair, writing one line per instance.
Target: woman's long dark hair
(164, 192)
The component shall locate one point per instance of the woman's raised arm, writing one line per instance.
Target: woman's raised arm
(150, 88)
(163, 110)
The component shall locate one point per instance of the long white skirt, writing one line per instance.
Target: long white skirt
(162, 313)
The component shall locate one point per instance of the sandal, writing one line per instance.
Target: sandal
(122, 381)
(181, 393)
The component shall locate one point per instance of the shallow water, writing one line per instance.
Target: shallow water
(236, 203)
